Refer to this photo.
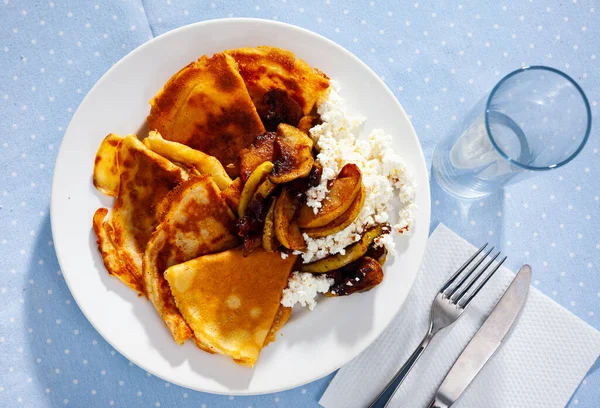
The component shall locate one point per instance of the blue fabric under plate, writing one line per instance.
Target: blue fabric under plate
(438, 58)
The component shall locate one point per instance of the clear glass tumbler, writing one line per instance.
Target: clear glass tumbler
(536, 118)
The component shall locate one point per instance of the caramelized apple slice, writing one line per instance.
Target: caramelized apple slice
(342, 221)
(307, 122)
(269, 238)
(360, 276)
(353, 252)
(293, 149)
(377, 252)
(286, 229)
(342, 193)
(256, 178)
(265, 189)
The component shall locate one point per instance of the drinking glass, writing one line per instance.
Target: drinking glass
(535, 119)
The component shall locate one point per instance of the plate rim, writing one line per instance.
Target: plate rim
(425, 223)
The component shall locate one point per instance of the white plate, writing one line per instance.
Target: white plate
(313, 343)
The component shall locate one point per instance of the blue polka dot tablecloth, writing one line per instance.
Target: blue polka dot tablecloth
(438, 58)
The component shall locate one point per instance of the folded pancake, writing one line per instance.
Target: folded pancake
(231, 301)
(260, 151)
(267, 69)
(197, 221)
(207, 107)
(181, 154)
(145, 179)
(106, 165)
(281, 318)
(233, 194)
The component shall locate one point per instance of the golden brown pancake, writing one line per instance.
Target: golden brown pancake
(233, 194)
(145, 179)
(115, 265)
(197, 221)
(231, 301)
(106, 165)
(268, 68)
(281, 317)
(186, 156)
(260, 151)
(207, 107)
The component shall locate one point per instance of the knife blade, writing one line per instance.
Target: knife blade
(485, 342)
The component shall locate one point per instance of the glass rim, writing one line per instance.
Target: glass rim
(555, 71)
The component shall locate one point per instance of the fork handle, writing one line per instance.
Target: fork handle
(382, 400)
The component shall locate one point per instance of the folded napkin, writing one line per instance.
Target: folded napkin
(540, 364)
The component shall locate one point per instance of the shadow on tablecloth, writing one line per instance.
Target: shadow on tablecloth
(460, 214)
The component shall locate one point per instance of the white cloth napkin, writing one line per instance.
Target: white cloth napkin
(540, 364)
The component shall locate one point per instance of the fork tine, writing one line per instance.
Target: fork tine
(468, 274)
(461, 269)
(483, 282)
(459, 294)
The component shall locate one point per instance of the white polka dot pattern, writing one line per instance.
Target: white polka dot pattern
(438, 58)
(539, 365)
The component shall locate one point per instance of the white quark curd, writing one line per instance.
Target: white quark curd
(384, 175)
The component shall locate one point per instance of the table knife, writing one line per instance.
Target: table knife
(485, 342)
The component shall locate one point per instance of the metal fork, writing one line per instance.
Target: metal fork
(448, 305)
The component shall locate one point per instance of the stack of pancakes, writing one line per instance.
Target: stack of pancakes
(171, 234)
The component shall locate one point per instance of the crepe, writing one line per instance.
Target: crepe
(231, 301)
(186, 156)
(233, 194)
(207, 107)
(106, 165)
(145, 179)
(281, 318)
(197, 221)
(260, 151)
(268, 68)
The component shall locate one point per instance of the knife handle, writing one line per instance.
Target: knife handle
(436, 403)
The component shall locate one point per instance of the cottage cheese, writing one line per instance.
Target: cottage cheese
(303, 288)
(384, 176)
